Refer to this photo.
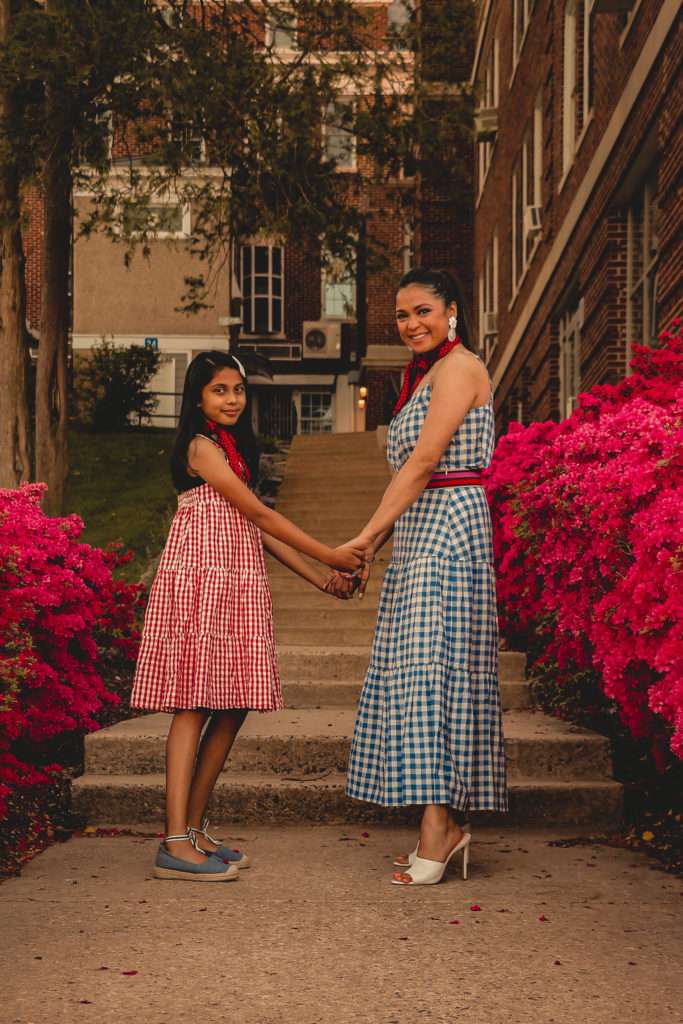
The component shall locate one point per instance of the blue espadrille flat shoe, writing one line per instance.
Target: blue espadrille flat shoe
(212, 870)
(240, 860)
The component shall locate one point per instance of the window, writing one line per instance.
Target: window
(571, 323)
(408, 249)
(532, 156)
(398, 18)
(569, 85)
(488, 299)
(340, 142)
(189, 136)
(487, 114)
(339, 289)
(163, 220)
(281, 34)
(643, 263)
(262, 289)
(316, 412)
(521, 12)
(577, 88)
(516, 227)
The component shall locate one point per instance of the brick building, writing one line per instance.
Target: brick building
(578, 224)
(332, 355)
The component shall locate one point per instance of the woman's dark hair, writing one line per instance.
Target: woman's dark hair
(191, 421)
(448, 288)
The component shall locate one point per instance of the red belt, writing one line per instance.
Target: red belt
(456, 478)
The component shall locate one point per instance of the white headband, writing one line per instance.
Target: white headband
(239, 365)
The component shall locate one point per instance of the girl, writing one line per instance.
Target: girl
(207, 650)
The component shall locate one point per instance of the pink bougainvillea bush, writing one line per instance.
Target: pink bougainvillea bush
(62, 619)
(588, 524)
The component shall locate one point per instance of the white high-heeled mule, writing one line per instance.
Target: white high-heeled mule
(410, 860)
(429, 872)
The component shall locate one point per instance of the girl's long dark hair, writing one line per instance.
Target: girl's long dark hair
(448, 288)
(191, 421)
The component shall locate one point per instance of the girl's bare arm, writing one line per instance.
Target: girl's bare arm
(204, 459)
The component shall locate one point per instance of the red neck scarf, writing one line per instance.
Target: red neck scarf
(225, 439)
(416, 369)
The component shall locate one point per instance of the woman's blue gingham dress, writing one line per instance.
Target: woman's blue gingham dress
(429, 722)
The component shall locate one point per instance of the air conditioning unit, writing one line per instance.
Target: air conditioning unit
(489, 324)
(532, 220)
(321, 339)
(486, 123)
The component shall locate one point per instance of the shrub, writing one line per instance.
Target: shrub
(63, 621)
(110, 387)
(588, 537)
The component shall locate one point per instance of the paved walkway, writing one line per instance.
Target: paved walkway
(314, 934)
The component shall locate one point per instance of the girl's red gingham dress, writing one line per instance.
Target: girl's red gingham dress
(208, 635)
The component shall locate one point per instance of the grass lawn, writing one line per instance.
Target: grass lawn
(120, 486)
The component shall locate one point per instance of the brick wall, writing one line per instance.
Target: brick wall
(593, 263)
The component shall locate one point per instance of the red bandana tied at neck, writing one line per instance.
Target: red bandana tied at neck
(227, 442)
(418, 367)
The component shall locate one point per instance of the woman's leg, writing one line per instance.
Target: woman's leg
(181, 753)
(215, 746)
(440, 832)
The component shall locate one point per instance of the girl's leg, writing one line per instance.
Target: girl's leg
(215, 746)
(181, 752)
(439, 833)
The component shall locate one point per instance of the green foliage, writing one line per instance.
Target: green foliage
(110, 387)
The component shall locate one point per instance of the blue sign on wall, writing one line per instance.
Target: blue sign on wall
(152, 343)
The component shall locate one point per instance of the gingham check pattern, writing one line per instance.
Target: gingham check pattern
(208, 635)
(429, 722)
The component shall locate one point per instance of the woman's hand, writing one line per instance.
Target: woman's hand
(346, 557)
(362, 576)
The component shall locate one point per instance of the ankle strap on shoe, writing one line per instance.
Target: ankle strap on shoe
(175, 839)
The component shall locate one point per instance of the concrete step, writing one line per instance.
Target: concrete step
(332, 614)
(264, 799)
(300, 662)
(309, 741)
(323, 635)
(346, 694)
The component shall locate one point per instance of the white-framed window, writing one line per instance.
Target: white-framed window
(488, 299)
(340, 142)
(488, 109)
(577, 75)
(281, 30)
(339, 289)
(569, 85)
(521, 13)
(315, 412)
(532, 157)
(162, 219)
(262, 289)
(587, 62)
(571, 322)
(643, 264)
(408, 247)
(515, 226)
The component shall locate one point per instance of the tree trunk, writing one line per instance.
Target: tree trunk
(52, 411)
(15, 464)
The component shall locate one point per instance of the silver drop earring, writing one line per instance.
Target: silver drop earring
(452, 324)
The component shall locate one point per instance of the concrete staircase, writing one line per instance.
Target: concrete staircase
(290, 766)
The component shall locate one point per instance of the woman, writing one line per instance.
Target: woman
(429, 722)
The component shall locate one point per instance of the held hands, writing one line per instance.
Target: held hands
(347, 558)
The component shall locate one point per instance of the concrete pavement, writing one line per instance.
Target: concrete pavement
(314, 933)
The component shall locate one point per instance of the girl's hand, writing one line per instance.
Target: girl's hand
(338, 586)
